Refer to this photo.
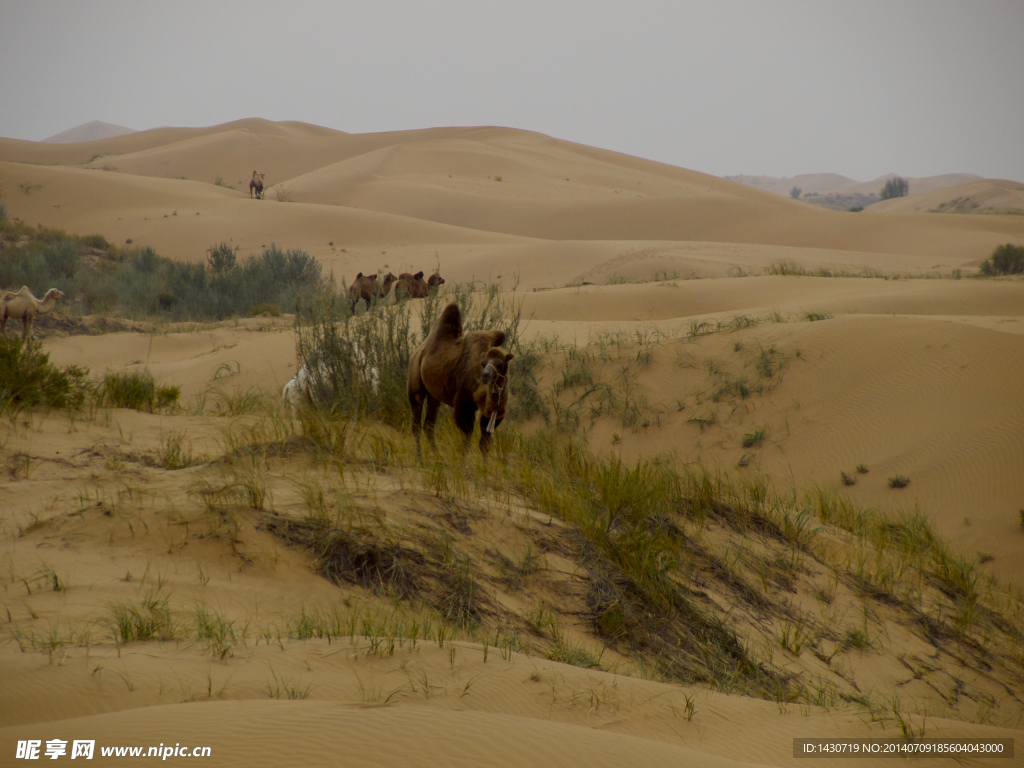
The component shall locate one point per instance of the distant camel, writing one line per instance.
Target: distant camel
(468, 372)
(256, 185)
(415, 287)
(412, 286)
(364, 288)
(26, 307)
(385, 288)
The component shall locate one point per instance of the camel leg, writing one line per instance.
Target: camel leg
(465, 415)
(416, 407)
(26, 326)
(485, 436)
(433, 406)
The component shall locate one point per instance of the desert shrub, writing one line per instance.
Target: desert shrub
(895, 187)
(137, 282)
(137, 390)
(221, 259)
(795, 193)
(96, 241)
(264, 309)
(28, 378)
(1007, 259)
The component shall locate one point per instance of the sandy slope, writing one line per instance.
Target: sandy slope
(92, 131)
(986, 194)
(920, 377)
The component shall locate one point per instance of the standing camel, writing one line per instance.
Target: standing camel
(26, 307)
(466, 371)
(256, 185)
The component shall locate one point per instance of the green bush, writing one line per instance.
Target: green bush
(1006, 259)
(138, 283)
(28, 378)
(137, 390)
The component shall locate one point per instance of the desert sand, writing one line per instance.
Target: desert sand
(882, 351)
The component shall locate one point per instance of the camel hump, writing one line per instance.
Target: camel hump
(418, 275)
(450, 322)
(497, 338)
(359, 275)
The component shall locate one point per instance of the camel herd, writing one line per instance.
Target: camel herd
(366, 288)
(467, 371)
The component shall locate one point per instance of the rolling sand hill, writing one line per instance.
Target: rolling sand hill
(833, 183)
(92, 131)
(719, 327)
(992, 196)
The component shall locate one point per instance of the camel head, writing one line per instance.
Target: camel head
(435, 280)
(53, 293)
(494, 373)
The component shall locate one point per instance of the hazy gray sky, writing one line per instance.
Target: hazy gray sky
(859, 87)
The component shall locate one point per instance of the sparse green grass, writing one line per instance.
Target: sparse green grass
(754, 439)
(137, 390)
(149, 618)
(899, 481)
(173, 453)
(572, 653)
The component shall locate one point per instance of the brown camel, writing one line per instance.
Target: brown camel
(468, 372)
(385, 288)
(26, 307)
(411, 286)
(256, 185)
(435, 281)
(364, 288)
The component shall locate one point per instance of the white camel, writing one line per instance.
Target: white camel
(298, 392)
(26, 307)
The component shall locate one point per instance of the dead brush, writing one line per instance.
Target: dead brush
(354, 555)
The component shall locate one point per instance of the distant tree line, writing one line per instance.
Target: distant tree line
(895, 187)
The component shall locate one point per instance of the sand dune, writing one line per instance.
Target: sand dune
(92, 131)
(982, 196)
(833, 183)
(660, 280)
